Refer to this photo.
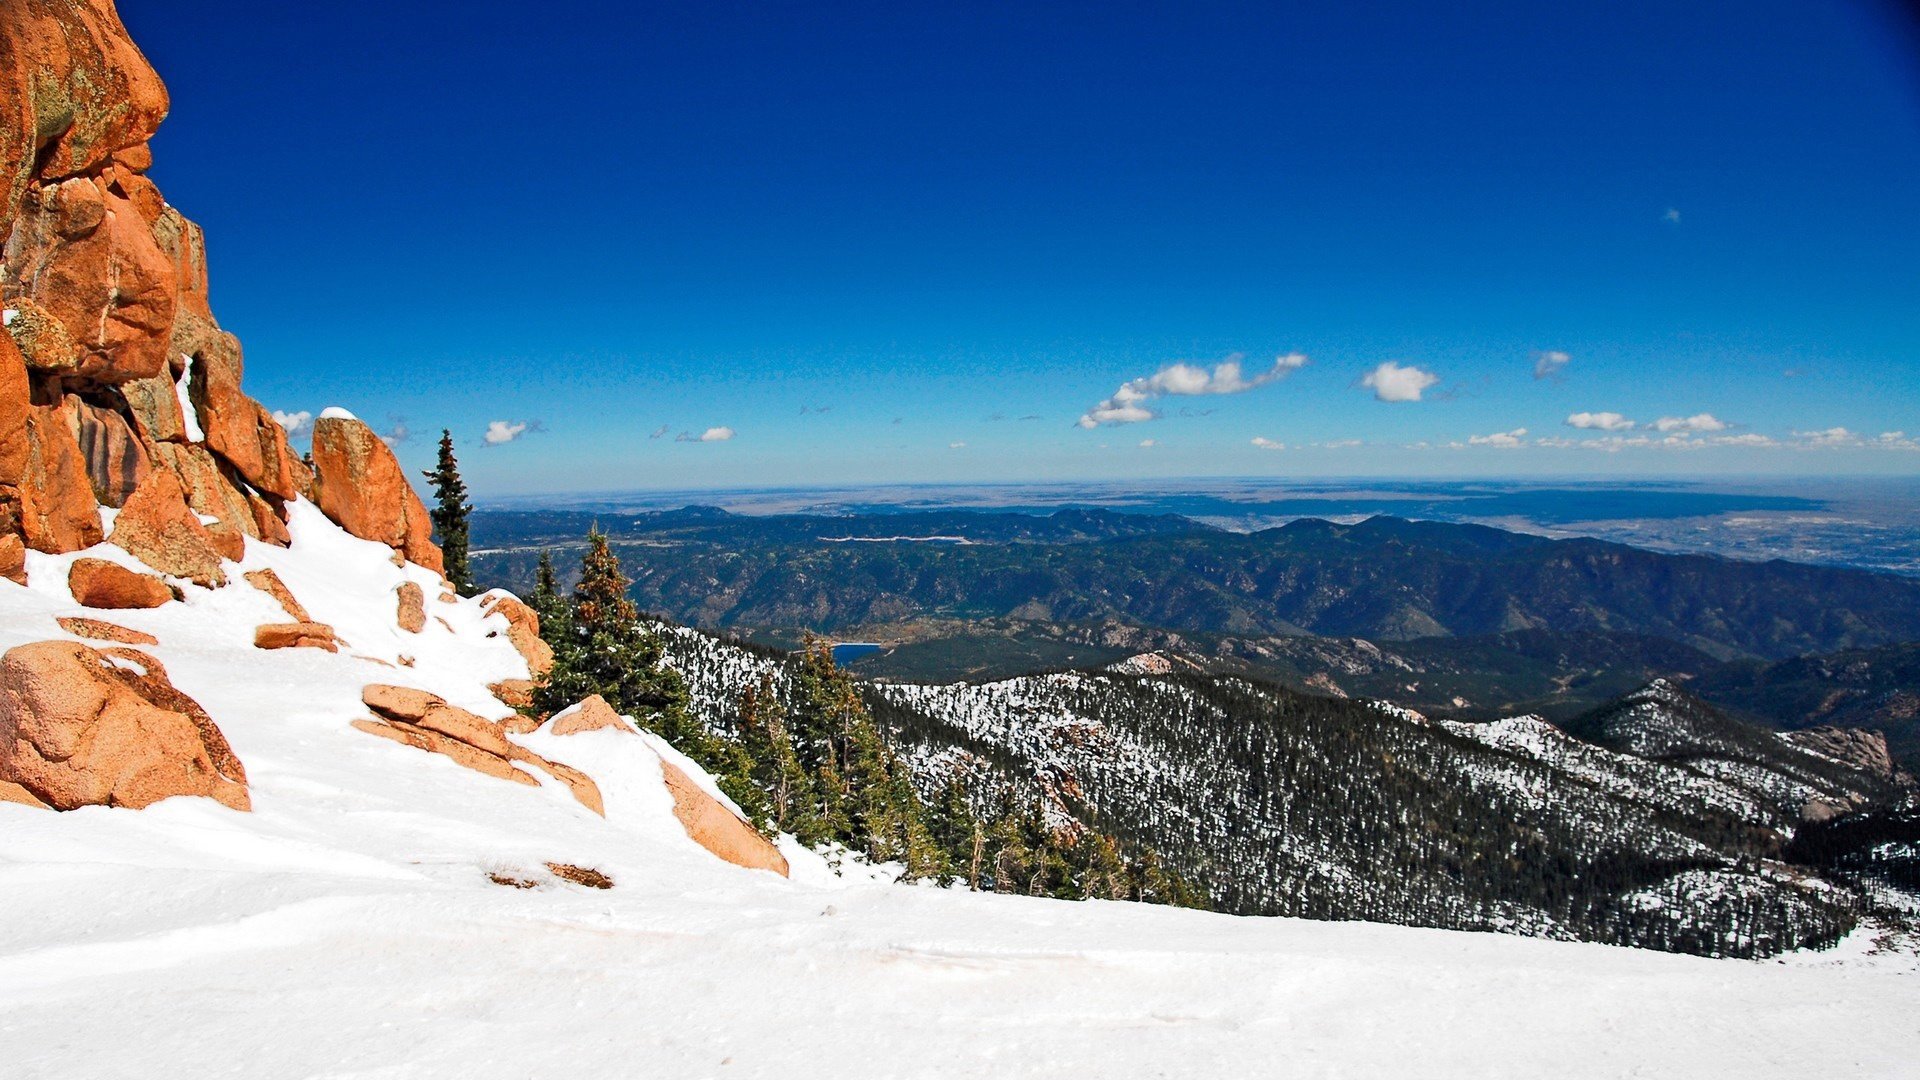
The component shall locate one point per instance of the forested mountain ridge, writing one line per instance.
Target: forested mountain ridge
(1383, 579)
(1277, 802)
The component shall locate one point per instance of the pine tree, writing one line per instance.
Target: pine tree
(601, 648)
(450, 515)
(556, 618)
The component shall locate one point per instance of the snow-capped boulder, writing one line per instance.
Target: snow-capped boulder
(359, 484)
(80, 727)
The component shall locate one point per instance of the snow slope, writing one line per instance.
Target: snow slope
(347, 928)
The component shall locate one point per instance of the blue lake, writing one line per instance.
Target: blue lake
(848, 651)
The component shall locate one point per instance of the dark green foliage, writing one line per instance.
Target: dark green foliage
(450, 516)
(601, 647)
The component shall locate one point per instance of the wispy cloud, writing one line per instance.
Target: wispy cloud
(1830, 437)
(1696, 422)
(712, 434)
(1600, 421)
(1265, 443)
(1129, 404)
(398, 433)
(1394, 382)
(956, 446)
(1550, 363)
(661, 431)
(1671, 217)
(1341, 444)
(1147, 444)
(1501, 440)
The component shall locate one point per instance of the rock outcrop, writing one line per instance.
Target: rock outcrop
(716, 828)
(113, 370)
(523, 630)
(80, 727)
(269, 582)
(425, 721)
(156, 527)
(708, 821)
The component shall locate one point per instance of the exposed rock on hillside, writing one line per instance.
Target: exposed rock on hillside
(97, 583)
(85, 728)
(359, 484)
(117, 386)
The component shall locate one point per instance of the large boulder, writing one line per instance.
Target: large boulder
(156, 527)
(359, 484)
(82, 728)
(97, 583)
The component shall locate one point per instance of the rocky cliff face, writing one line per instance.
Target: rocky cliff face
(113, 369)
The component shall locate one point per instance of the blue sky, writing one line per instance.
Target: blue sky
(893, 242)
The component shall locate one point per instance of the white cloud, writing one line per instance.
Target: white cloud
(1671, 217)
(956, 446)
(1128, 404)
(1602, 421)
(1550, 363)
(1341, 444)
(661, 431)
(1392, 382)
(1265, 443)
(294, 422)
(1148, 443)
(1896, 440)
(1696, 422)
(716, 434)
(1831, 437)
(503, 431)
(1503, 440)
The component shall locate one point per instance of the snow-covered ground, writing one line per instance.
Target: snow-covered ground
(348, 927)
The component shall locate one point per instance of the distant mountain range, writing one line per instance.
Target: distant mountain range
(1384, 578)
(1458, 621)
